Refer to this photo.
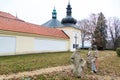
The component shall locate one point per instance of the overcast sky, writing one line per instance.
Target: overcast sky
(40, 11)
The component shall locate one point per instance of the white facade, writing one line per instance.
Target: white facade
(72, 33)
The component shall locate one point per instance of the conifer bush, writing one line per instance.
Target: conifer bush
(118, 51)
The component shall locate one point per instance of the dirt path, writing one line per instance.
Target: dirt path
(101, 77)
(52, 69)
(36, 72)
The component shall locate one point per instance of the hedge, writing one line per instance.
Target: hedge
(118, 51)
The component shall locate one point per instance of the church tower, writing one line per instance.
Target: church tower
(70, 28)
(53, 23)
(69, 20)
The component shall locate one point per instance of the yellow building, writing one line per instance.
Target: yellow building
(20, 37)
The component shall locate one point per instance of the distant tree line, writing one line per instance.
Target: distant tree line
(102, 32)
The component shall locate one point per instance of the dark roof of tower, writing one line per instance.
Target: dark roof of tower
(53, 23)
(69, 19)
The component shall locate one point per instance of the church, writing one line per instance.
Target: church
(18, 37)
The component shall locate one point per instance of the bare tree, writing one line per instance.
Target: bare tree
(88, 27)
(93, 23)
(84, 26)
(114, 30)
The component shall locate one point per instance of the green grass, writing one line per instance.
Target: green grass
(12, 64)
(20, 63)
(109, 65)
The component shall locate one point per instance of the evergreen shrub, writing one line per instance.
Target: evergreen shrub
(118, 51)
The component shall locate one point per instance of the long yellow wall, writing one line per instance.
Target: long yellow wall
(24, 44)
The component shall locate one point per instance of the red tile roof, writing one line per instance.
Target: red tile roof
(11, 23)
(7, 15)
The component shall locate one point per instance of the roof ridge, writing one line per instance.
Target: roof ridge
(12, 18)
(8, 16)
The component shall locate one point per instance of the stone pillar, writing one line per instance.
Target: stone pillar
(78, 64)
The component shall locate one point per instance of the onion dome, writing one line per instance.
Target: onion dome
(68, 19)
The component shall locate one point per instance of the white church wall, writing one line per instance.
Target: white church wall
(71, 32)
(76, 34)
(50, 45)
(68, 31)
(7, 45)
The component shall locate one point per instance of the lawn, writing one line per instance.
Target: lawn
(109, 64)
(20, 63)
(14, 64)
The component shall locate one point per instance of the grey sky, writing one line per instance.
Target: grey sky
(39, 11)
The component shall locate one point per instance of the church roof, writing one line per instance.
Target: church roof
(7, 15)
(10, 23)
(53, 23)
